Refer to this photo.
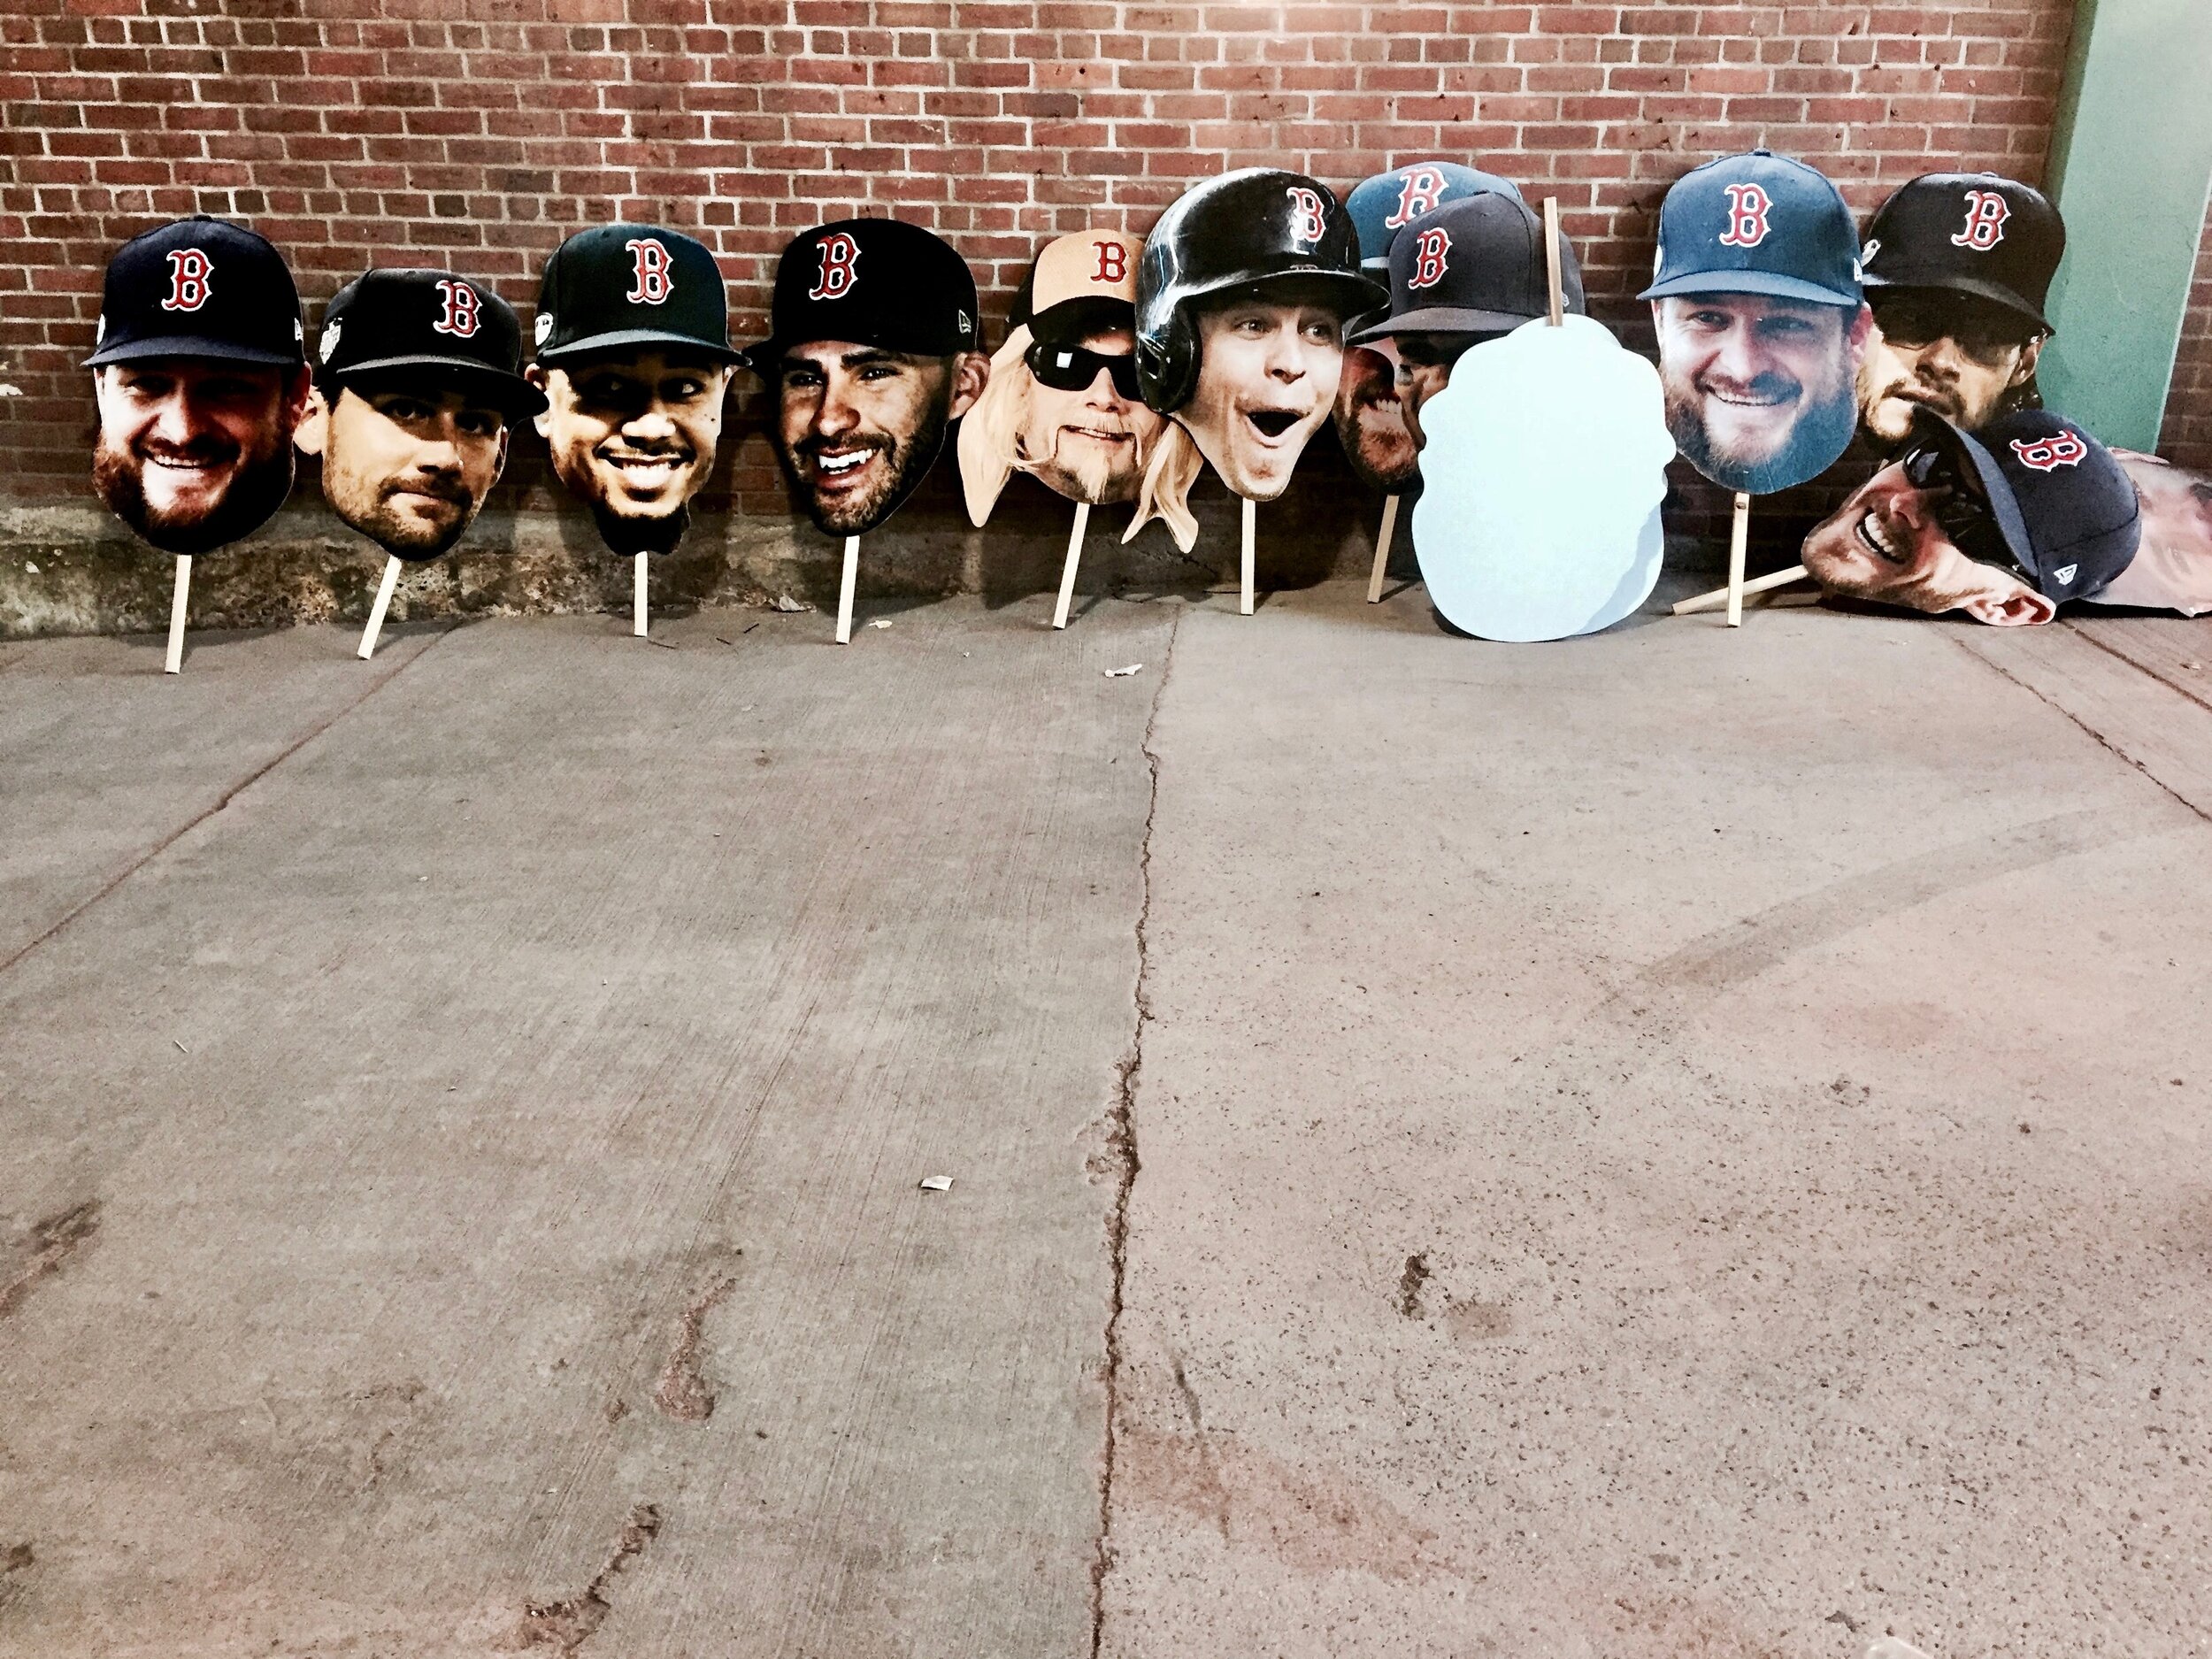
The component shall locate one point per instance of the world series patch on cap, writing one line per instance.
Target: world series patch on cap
(633, 286)
(1757, 224)
(199, 288)
(1973, 232)
(879, 283)
(386, 323)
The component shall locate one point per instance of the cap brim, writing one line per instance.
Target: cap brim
(763, 357)
(511, 392)
(624, 337)
(1446, 319)
(2004, 506)
(1772, 284)
(1996, 293)
(190, 346)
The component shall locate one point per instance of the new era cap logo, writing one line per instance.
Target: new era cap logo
(463, 311)
(190, 271)
(841, 267)
(2064, 574)
(1986, 212)
(1307, 220)
(1430, 249)
(1747, 209)
(541, 330)
(328, 348)
(2047, 454)
(1422, 190)
(651, 282)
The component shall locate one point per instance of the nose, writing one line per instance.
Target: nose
(1740, 358)
(1941, 359)
(441, 454)
(650, 423)
(175, 421)
(1286, 355)
(1103, 393)
(835, 416)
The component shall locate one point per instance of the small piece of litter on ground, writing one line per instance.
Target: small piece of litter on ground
(181, 1048)
(880, 622)
(937, 1183)
(1117, 673)
(785, 601)
(30, 567)
(718, 639)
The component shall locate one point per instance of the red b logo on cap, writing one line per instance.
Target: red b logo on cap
(1307, 222)
(1429, 249)
(1113, 262)
(461, 308)
(651, 280)
(189, 270)
(1986, 212)
(1423, 190)
(839, 254)
(2047, 454)
(1747, 209)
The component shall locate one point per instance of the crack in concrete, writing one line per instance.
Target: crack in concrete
(222, 801)
(1121, 1146)
(53, 1241)
(567, 1624)
(682, 1393)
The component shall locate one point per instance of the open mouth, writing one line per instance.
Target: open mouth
(1272, 424)
(1878, 541)
(186, 462)
(839, 469)
(1750, 400)
(1099, 434)
(646, 473)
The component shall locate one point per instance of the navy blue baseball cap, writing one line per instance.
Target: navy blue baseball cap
(1475, 266)
(1757, 224)
(199, 288)
(879, 283)
(618, 286)
(1385, 204)
(426, 326)
(2069, 514)
(1972, 233)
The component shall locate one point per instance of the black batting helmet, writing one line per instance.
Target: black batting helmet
(1260, 227)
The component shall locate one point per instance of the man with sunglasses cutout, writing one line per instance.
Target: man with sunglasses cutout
(1957, 269)
(2005, 525)
(1062, 400)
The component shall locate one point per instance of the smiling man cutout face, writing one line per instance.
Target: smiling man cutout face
(200, 381)
(1761, 321)
(872, 353)
(419, 375)
(633, 359)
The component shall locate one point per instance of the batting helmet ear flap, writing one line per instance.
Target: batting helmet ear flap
(1167, 361)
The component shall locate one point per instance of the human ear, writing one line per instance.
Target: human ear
(2022, 607)
(2023, 369)
(311, 434)
(506, 436)
(1862, 330)
(543, 419)
(971, 374)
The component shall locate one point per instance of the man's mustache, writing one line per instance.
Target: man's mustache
(1771, 384)
(436, 488)
(208, 450)
(816, 446)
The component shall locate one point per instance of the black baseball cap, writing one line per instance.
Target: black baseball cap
(199, 288)
(879, 283)
(1974, 233)
(1475, 266)
(632, 285)
(1757, 224)
(2069, 515)
(1385, 204)
(385, 322)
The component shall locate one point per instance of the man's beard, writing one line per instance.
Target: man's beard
(910, 464)
(1818, 435)
(257, 490)
(1097, 476)
(403, 537)
(630, 534)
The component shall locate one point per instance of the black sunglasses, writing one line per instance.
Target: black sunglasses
(1072, 369)
(1957, 501)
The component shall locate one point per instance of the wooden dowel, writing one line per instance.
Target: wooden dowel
(637, 595)
(845, 590)
(178, 599)
(1382, 549)
(376, 611)
(1251, 509)
(1739, 536)
(1551, 259)
(1719, 597)
(1067, 570)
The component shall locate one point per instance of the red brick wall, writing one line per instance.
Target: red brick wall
(2187, 439)
(477, 133)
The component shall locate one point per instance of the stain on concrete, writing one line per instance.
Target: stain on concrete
(1205, 1449)
(682, 1393)
(53, 1243)
(1473, 1321)
(1410, 1283)
(565, 1625)
(15, 1566)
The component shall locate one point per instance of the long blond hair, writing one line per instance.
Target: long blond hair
(1165, 493)
(990, 432)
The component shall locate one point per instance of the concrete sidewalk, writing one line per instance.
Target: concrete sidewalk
(1685, 1142)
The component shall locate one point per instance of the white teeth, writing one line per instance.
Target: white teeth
(1872, 533)
(835, 464)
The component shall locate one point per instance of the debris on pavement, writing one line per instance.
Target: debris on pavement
(785, 601)
(937, 1183)
(1117, 673)
(880, 622)
(1890, 1647)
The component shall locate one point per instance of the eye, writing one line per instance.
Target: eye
(1709, 319)
(805, 379)
(874, 371)
(1785, 327)
(481, 423)
(683, 390)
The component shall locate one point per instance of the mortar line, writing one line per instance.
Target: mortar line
(1122, 1140)
(2102, 742)
(220, 802)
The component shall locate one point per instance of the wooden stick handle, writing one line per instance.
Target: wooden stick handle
(1251, 510)
(1075, 556)
(178, 598)
(1382, 549)
(1551, 259)
(1739, 537)
(1719, 597)
(637, 595)
(376, 611)
(845, 590)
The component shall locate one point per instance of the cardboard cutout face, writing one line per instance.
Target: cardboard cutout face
(1089, 442)
(1958, 354)
(633, 436)
(194, 452)
(1268, 371)
(1371, 419)
(2172, 568)
(408, 465)
(1761, 391)
(859, 426)
(1545, 460)
(1887, 543)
